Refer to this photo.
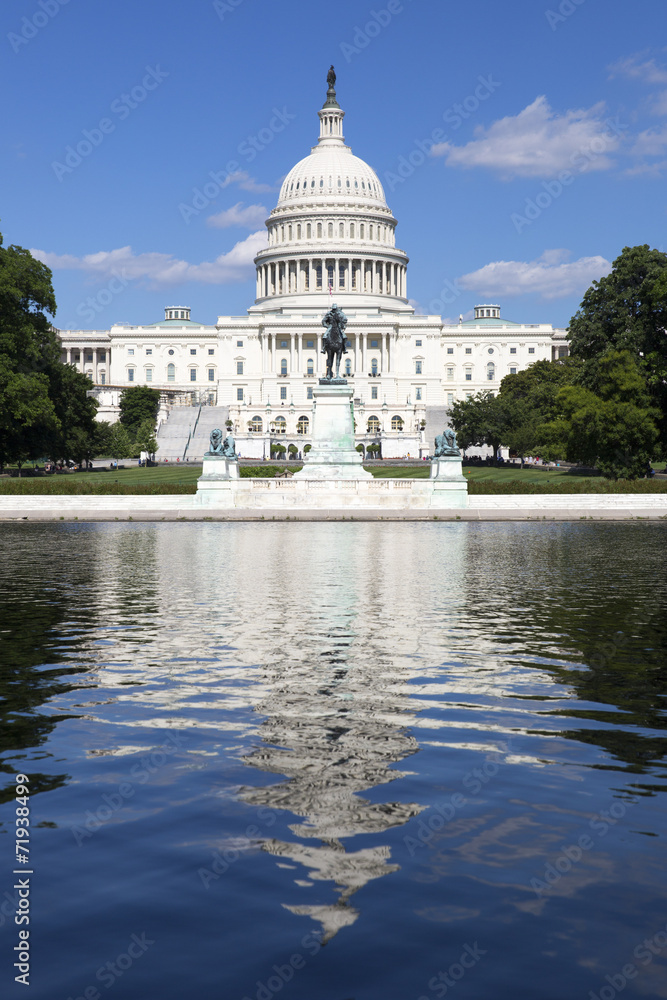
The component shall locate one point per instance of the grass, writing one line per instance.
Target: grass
(174, 479)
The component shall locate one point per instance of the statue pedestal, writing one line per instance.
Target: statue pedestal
(333, 454)
(214, 486)
(448, 467)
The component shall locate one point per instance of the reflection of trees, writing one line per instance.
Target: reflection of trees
(566, 596)
(334, 732)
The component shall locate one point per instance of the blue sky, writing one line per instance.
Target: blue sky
(521, 145)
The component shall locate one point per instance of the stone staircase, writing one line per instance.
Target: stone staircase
(184, 435)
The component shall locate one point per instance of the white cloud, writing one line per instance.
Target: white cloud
(552, 276)
(647, 169)
(537, 142)
(159, 270)
(245, 218)
(649, 71)
(659, 105)
(247, 183)
(652, 142)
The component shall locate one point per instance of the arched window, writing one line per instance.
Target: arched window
(309, 231)
(490, 371)
(171, 373)
(319, 228)
(298, 232)
(310, 367)
(352, 230)
(373, 425)
(396, 423)
(361, 230)
(302, 425)
(255, 425)
(348, 366)
(283, 366)
(330, 230)
(341, 230)
(330, 275)
(374, 366)
(370, 232)
(289, 232)
(281, 425)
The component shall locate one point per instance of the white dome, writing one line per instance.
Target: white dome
(332, 173)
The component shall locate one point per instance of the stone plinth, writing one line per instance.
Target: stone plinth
(333, 455)
(333, 494)
(214, 486)
(448, 467)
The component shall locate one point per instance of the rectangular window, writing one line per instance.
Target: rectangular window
(450, 350)
(512, 371)
(239, 343)
(450, 372)
(309, 392)
(418, 343)
(193, 350)
(374, 343)
(211, 374)
(531, 350)
(418, 367)
(130, 374)
(239, 395)
(149, 350)
(103, 378)
(468, 350)
(450, 398)
(341, 276)
(283, 392)
(193, 374)
(374, 392)
(468, 376)
(512, 350)
(310, 343)
(103, 356)
(89, 357)
(149, 374)
(418, 392)
(130, 350)
(211, 351)
(283, 343)
(239, 368)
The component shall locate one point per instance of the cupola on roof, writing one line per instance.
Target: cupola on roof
(331, 171)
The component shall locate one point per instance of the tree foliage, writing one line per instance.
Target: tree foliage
(138, 404)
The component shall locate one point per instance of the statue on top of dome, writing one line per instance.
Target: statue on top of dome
(331, 77)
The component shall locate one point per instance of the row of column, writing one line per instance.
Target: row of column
(299, 353)
(86, 366)
(316, 274)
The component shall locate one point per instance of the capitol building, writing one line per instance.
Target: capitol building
(331, 239)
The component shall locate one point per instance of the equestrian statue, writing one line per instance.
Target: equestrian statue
(334, 341)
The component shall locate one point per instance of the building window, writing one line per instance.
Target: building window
(171, 373)
(103, 356)
(490, 371)
(283, 366)
(283, 392)
(211, 374)
(239, 343)
(318, 275)
(468, 375)
(330, 230)
(490, 351)
(374, 392)
(149, 374)
(280, 425)
(348, 366)
(531, 350)
(149, 350)
(450, 350)
(450, 372)
(396, 424)
(450, 398)
(418, 367)
(89, 356)
(330, 275)
(512, 350)
(309, 231)
(341, 229)
(283, 343)
(130, 350)
(310, 367)
(512, 371)
(170, 351)
(255, 425)
(211, 350)
(373, 343)
(310, 344)
(103, 378)
(193, 350)
(341, 276)
(374, 366)
(418, 343)
(239, 368)
(468, 350)
(130, 374)
(309, 392)
(193, 374)
(418, 392)
(319, 225)
(352, 230)
(361, 230)
(302, 425)
(239, 395)
(373, 425)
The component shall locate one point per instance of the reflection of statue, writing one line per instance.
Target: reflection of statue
(334, 341)
(229, 447)
(331, 77)
(215, 443)
(445, 444)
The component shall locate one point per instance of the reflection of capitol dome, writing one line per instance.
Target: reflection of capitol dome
(331, 228)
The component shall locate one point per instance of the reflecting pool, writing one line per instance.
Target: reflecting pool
(328, 761)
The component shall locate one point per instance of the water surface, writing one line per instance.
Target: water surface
(337, 761)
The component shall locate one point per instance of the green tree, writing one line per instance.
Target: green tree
(75, 437)
(121, 444)
(481, 420)
(137, 405)
(145, 439)
(529, 399)
(615, 430)
(627, 311)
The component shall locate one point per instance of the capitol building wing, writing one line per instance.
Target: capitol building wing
(331, 238)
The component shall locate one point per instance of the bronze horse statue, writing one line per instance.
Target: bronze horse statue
(334, 341)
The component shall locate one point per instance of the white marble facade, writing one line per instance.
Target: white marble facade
(331, 238)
